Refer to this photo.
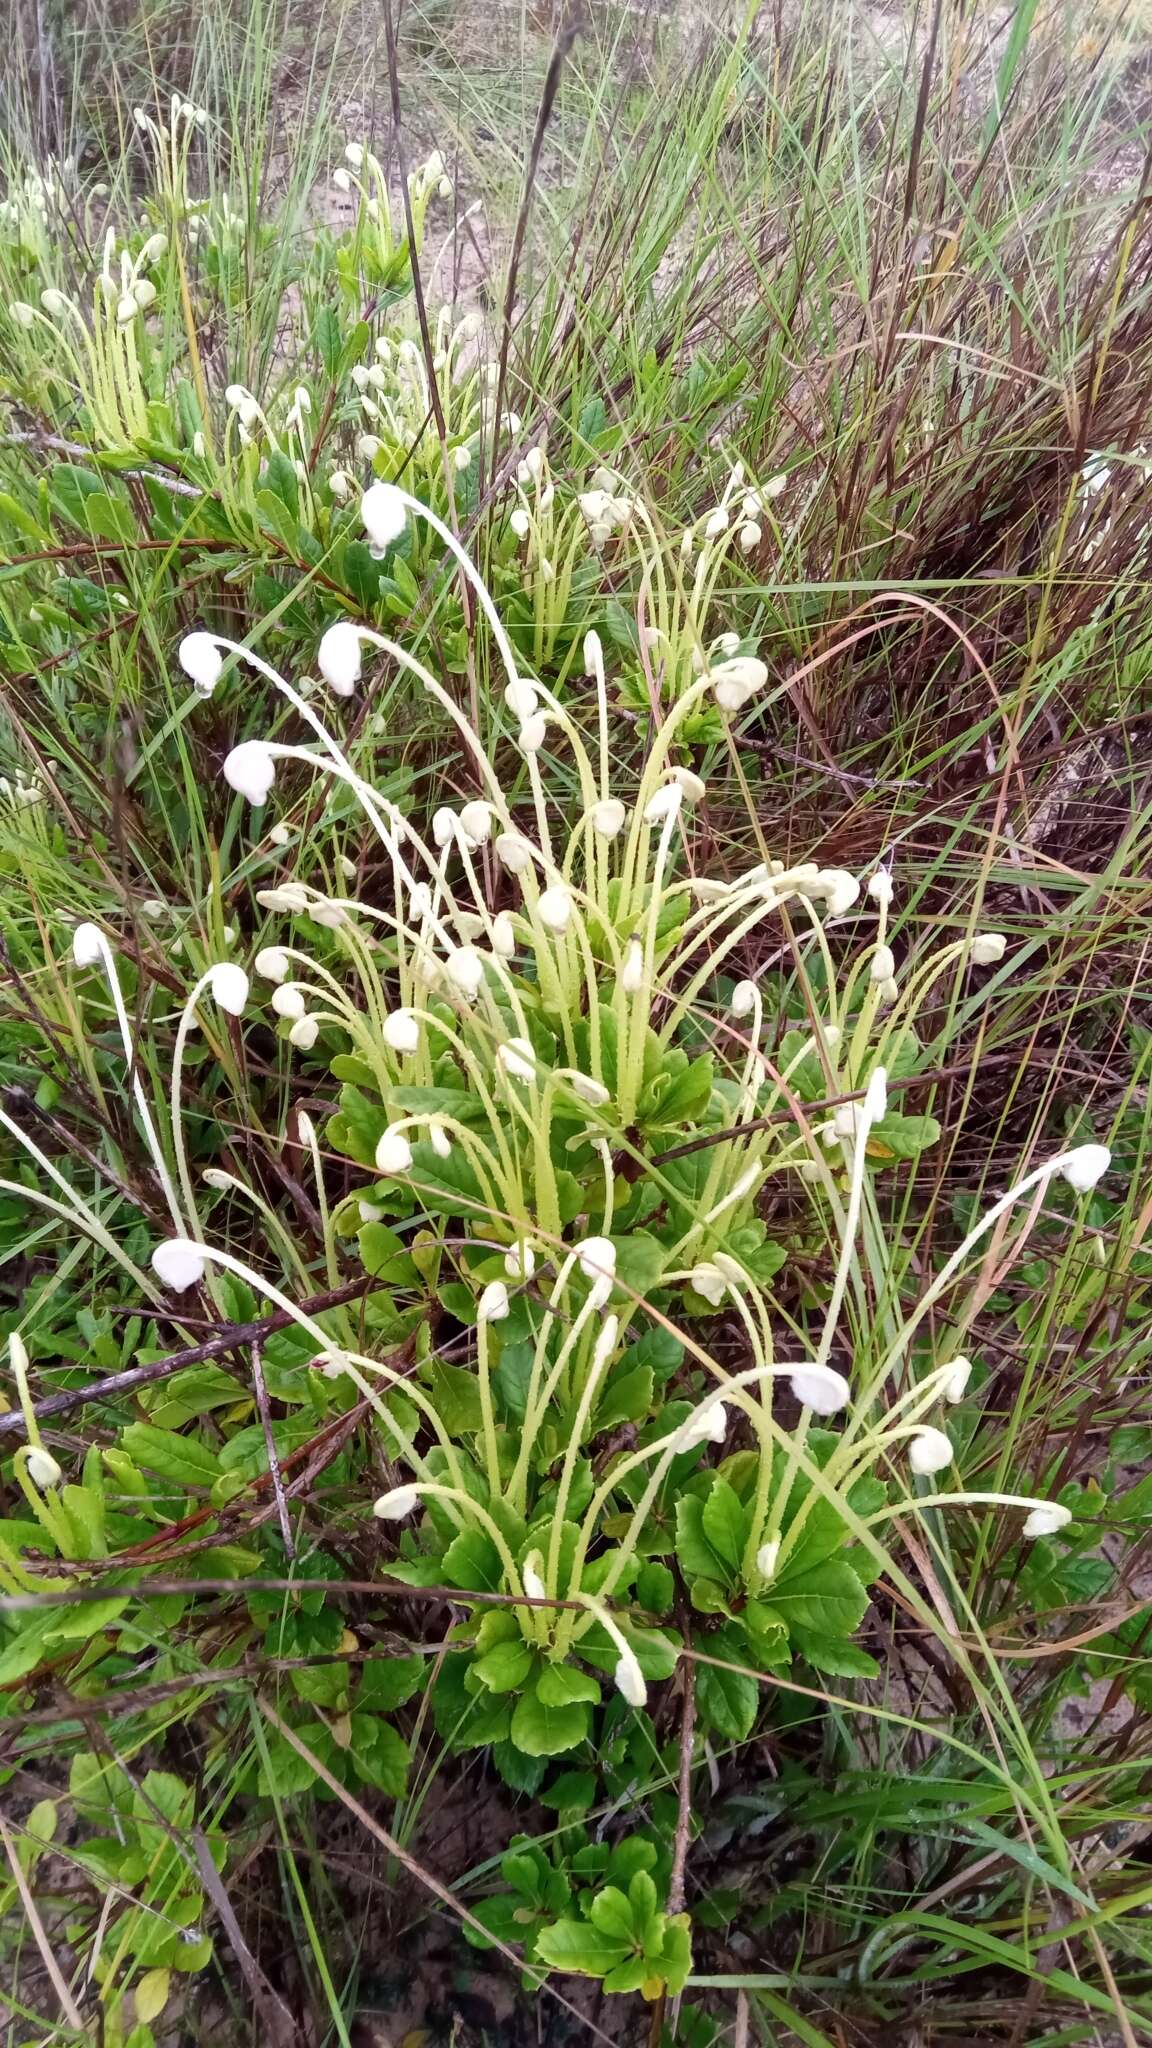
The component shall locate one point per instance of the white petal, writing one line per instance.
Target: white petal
(229, 985)
(201, 661)
(384, 514)
(179, 1262)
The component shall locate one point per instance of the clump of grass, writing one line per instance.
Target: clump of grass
(771, 523)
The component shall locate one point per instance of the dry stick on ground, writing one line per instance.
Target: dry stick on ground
(422, 1876)
(67, 2005)
(232, 1336)
(280, 2029)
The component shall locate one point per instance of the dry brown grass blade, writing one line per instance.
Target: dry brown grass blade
(39, 1933)
(417, 1870)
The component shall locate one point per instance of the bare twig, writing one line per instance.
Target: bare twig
(261, 1392)
(279, 2027)
(67, 2004)
(230, 1338)
(684, 1810)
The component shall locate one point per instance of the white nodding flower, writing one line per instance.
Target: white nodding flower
(370, 1212)
(229, 985)
(820, 1388)
(214, 1177)
(737, 679)
(288, 1000)
(766, 1557)
(533, 733)
(464, 966)
(593, 653)
(179, 1262)
(555, 907)
(514, 852)
(250, 769)
(889, 992)
(956, 1379)
(987, 948)
(347, 867)
(1085, 1166)
(23, 314)
(201, 661)
(492, 1306)
(144, 293)
(354, 154)
(54, 302)
(608, 817)
(401, 1031)
(397, 1505)
(280, 835)
(1046, 1519)
(461, 459)
(126, 310)
(744, 999)
(383, 513)
(694, 787)
(272, 963)
(707, 1425)
(338, 657)
(840, 890)
(665, 804)
(880, 887)
(522, 697)
(342, 179)
(597, 1257)
(630, 1679)
(443, 826)
(368, 447)
(519, 522)
(41, 1468)
(534, 1587)
(393, 1152)
(717, 524)
(439, 1139)
(520, 1260)
(87, 945)
(632, 969)
(749, 536)
(883, 967)
(476, 821)
(503, 936)
(304, 1033)
(708, 1280)
(930, 1450)
(586, 1087)
(339, 483)
(517, 1058)
(733, 1271)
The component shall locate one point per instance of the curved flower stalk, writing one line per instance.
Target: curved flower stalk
(103, 357)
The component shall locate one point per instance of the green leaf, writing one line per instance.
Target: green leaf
(472, 1562)
(180, 1458)
(696, 1556)
(578, 1946)
(626, 1398)
(836, 1658)
(384, 1254)
(327, 339)
(828, 1601)
(540, 1730)
(571, 1792)
(457, 1396)
(902, 1137)
(726, 1701)
(505, 1667)
(562, 1685)
(611, 1914)
(389, 1682)
(724, 1523)
(380, 1755)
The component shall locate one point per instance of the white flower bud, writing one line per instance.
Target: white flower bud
(250, 769)
(929, 1451)
(126, 310)
(179, 1262)
(707, 1424)
(476, 821)
(41, 1468)
(717, 524)
(630, 1680)
(339, 483)
(53, 302)
(201, 661)
(889, 992)
(288, 1000)
(461, 459)
(291, 896)
(304, 1033)
(745, 997)
(229, 985)
(23, 314)
(517, 1059)
(1046, 1519)
(144, 293)
(632, 970)
(338, 657)
(492, 1306)
(464, 967)
(883, 966)
(880, 887)
(737, 679)
(694, 788)
(597, 1257)
(439, 1139)
(401, 1031)
(520, 1260)
(520, 522)
(87, 945)
(708, 1280)
(820, 1388)
(503, 936)
(987, 948)
(383, 513)
(514, 852)
(840, 890)
(956, 1380)
(665, 804)
(749, 536)
(766, 1557)
(555, 908)
(393, 1152)
(533, 733)
(1085, 1166)
(521, 697)
(586, 1087)
(608, 817)
(368, 447)
(354, 155)
(534, 1587)
(397, 1505)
